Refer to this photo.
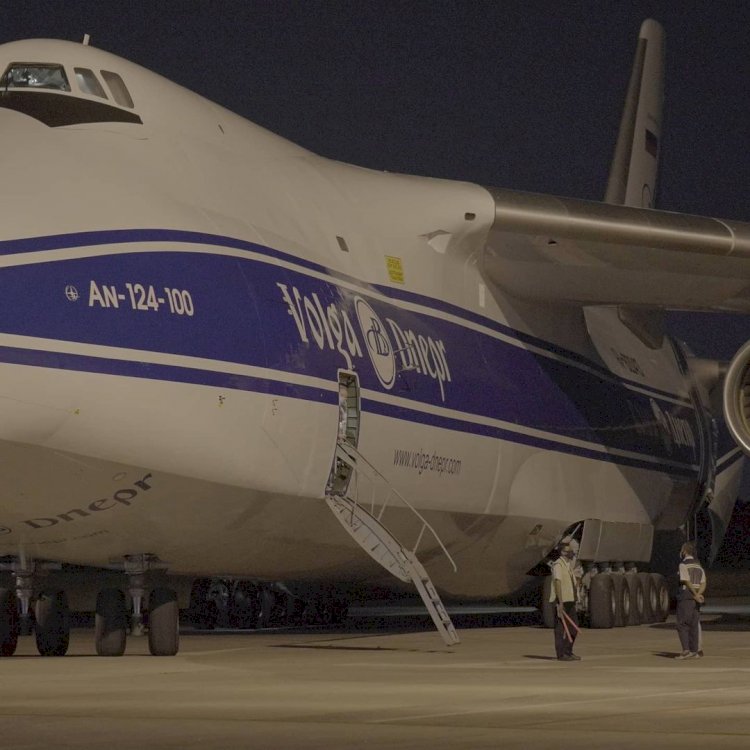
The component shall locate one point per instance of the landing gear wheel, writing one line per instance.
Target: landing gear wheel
(602, 603)
(649, 597)
(330, 610)
(163, 623)
(267, 601)
(203, 611)
(633, 582)
(295, 611)
(8, 622)
(52, 623)
(662, 597)
(340, 611)
(245, 607)
(548, 609)
(110, 629)
(622, 599)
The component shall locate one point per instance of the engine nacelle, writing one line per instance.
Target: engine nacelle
(737, 398)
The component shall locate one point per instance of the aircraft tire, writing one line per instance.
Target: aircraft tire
(547, 607)
(266, 600)
(633, 582)
(9, 626)
(340, 611)
(330, 610)
(649, 597)
(163, 622)
(203, 611)
(661, 610)
(602, 603)
(111, 622)
(622, 600)
(245, 607)
(52, 629)
(295, 611)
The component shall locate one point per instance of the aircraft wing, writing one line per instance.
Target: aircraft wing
(543, 247)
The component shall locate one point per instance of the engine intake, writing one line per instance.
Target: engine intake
(737, 398)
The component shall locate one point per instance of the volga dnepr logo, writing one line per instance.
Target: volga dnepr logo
(674, 430)
(390, 347)
(378, 344)
(122, 497)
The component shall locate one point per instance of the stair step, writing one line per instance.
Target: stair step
(385, 549)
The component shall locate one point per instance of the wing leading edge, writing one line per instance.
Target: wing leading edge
(562, 249)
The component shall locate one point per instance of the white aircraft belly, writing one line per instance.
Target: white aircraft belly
(197, 491)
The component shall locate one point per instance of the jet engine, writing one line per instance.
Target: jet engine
(737, 398)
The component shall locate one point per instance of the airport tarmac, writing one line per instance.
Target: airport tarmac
(360, 688)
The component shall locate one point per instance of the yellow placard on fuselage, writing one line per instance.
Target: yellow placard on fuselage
(395, 269)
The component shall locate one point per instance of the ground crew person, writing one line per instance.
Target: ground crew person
(563, 593)
(689, 599)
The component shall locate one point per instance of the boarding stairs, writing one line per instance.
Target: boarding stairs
(368, 530)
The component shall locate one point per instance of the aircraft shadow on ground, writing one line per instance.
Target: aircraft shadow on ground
(416, 623)
(725, 622)
(367, 625)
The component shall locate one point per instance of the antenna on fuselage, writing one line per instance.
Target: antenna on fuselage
(86, 39)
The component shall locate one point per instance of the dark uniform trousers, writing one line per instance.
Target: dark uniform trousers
(688, 624)
(563, 646)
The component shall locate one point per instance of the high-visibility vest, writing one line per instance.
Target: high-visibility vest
(694, 570)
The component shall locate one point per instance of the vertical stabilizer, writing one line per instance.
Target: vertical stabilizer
(632, 176)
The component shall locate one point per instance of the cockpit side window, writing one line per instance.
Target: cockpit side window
(88, 82)
(35, 76)
(117, 87)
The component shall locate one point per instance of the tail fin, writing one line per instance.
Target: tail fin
(632, 175)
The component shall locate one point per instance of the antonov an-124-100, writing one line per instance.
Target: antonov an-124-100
(225, 358)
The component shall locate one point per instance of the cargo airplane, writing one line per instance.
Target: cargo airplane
(224, 356)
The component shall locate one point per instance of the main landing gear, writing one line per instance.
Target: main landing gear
(616, 598)
(117, 614)
(232, 603)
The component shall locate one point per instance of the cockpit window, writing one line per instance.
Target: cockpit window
(117, 87)
(36, 76)
(88, 82)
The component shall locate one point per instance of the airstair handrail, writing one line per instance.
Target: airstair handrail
(354, 455)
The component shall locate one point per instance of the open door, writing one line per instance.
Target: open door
(348, 432)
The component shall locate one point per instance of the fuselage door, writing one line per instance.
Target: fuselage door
(348, 431)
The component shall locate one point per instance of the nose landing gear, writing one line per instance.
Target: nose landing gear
(46, 614)
(48, 619)
(162, 621)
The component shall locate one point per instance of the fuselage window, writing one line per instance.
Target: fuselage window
(35, 76)
(88, 82)
(117, 87)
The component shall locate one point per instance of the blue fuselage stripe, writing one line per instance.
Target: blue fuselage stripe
(134, 236)
(251, 311)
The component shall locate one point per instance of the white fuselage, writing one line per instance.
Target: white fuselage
(177, 298)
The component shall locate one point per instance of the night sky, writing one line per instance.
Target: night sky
(523, 95)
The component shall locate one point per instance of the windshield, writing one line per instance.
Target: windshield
(35, 75)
